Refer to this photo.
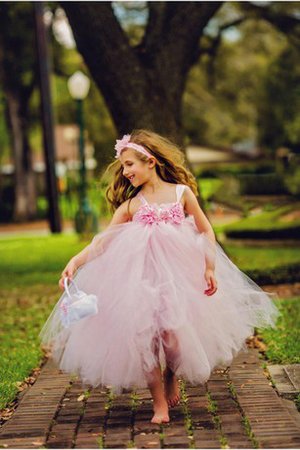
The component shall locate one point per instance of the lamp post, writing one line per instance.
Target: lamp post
(85, 219)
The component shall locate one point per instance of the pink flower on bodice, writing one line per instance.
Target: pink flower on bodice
(149, 214)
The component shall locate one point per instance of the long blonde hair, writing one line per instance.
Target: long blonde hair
(170, 167)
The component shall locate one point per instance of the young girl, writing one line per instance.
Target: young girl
(169, 298)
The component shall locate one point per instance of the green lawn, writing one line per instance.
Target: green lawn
(23, 310)
(208, 186)
(31, 260)
(29, 271)
(267, 220)
(283, 342)
(250, 258)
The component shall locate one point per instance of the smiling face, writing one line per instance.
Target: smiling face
(137, 171)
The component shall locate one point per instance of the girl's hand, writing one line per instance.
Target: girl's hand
(68, 271)
(211, 281)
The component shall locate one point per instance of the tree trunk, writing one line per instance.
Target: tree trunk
(142, 85)
(25, 190)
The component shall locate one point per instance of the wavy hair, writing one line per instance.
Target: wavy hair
(170, 167)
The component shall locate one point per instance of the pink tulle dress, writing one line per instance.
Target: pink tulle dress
(148, 275)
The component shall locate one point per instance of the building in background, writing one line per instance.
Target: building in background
(67, 158)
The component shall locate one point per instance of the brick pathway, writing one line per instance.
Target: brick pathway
(237, 408)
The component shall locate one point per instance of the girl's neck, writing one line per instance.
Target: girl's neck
(152, 186)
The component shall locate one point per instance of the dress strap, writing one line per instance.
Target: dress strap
(179, 191)
(142, 198)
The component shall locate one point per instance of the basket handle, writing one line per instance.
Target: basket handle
(66, 286)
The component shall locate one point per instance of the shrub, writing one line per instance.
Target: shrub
(292, 232)
(261, 184)
(286, 273)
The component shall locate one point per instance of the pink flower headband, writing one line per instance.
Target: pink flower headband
(125, 143)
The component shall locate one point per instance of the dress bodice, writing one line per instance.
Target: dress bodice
(154, 213)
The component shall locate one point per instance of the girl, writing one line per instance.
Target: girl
(169, 298)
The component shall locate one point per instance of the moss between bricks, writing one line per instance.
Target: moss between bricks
(187, 414)
(213, 409)
(245, 420)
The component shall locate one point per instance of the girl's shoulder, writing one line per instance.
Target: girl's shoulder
(183, 188)
(133, 200)
(130, 206)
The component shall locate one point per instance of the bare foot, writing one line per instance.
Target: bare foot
(161, 413)
(172, 391)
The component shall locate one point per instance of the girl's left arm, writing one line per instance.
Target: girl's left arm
(192, 207)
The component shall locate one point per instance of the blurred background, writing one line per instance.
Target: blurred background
(220, 78)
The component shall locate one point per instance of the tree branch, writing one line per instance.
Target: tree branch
(287, 24)
(172, 35)
(185, 27)
(215, 41)
(234, 23)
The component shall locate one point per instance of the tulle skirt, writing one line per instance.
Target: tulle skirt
(149, 280)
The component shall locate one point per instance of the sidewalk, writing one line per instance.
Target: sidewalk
(38, 227)
(237, 408)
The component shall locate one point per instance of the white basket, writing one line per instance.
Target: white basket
(76, 306)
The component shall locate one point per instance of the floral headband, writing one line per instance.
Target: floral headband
(125, 143)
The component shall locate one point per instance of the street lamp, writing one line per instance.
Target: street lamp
(85, 218)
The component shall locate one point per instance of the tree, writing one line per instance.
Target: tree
(19, 83)
(143, 84)
(223, 109)
(18, 77)
(279, 110)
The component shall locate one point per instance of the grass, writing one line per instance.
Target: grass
(22, 311)
(267, 220)
(213, 409)
(208, 186)
(250, 258)
(249, 432)
(188, 422)
(283, 342)
(297, 402)
(245, 420)
(35, 260)
(29, 273)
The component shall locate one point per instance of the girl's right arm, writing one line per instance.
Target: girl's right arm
(121, 215)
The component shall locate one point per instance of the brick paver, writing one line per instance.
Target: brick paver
(236, 408)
